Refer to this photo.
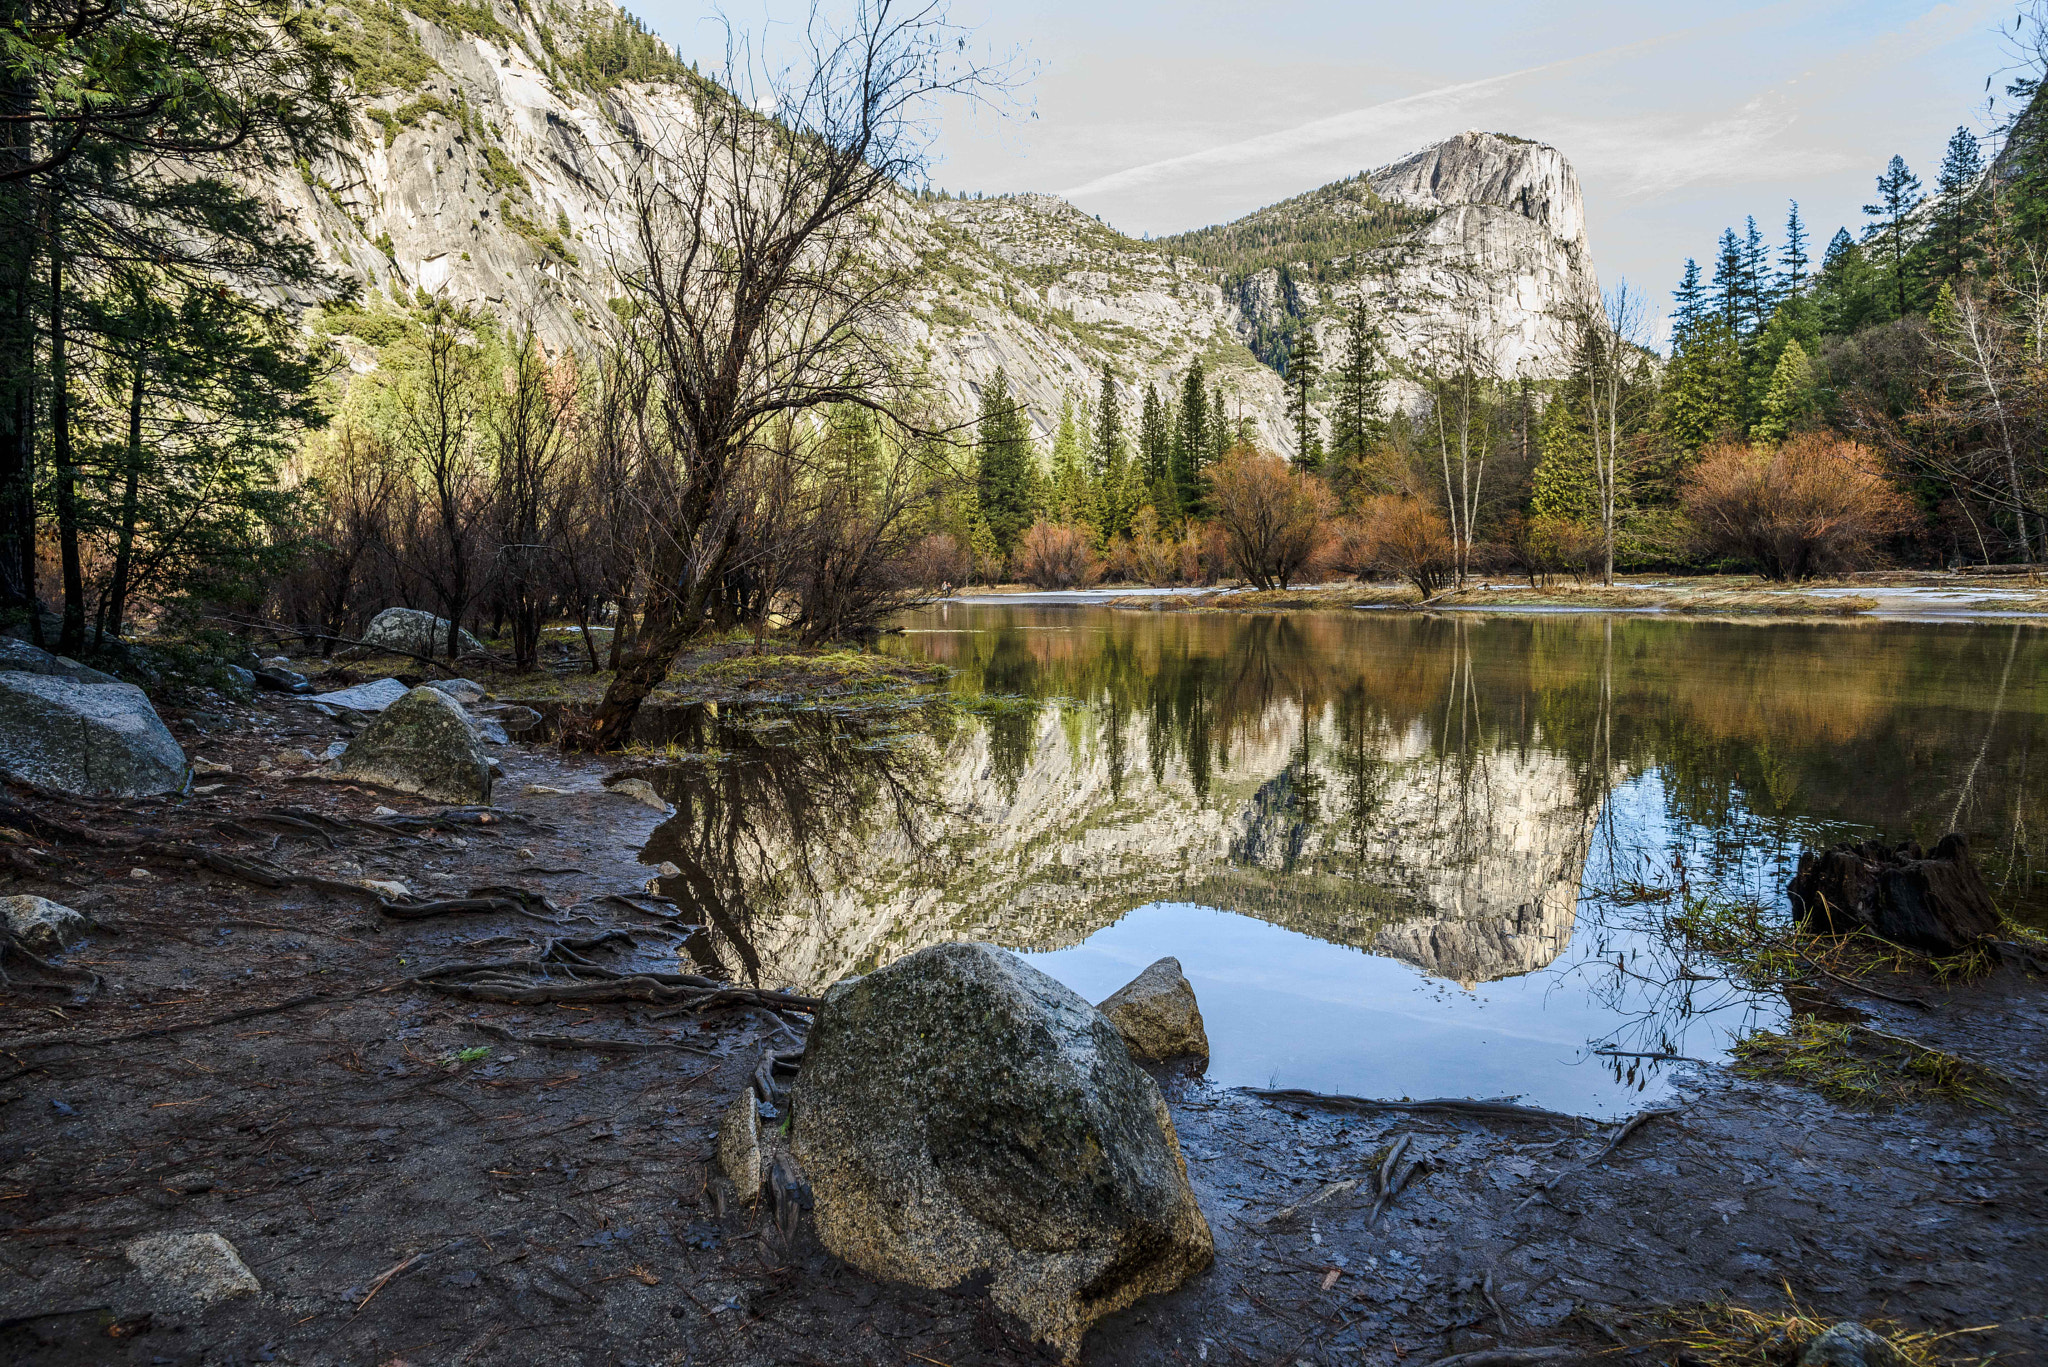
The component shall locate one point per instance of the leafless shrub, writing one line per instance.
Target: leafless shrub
(1816, 504)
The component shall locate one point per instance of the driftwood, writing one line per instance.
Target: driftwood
(1450, 1105)
(527, 981)
(588, 1046)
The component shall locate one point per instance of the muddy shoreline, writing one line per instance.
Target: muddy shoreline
(409, 1184)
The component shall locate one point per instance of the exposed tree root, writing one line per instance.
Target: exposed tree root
(529, 981)
(1451, 1105)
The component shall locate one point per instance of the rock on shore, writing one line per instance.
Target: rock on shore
(89, 739)
(959, 1113)
(423, 743)
(1158, 1016)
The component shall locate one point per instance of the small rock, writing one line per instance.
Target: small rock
(208, 789)
(380, 811)
(280, 680)
(464, 691)
(205, 1267)
(543, 790)
(43, 926)
(141, 874)
(390, 889)
(245, 679)
(1850, 1344)
(739, 1144)
(335, 750)
(299, 756)
(208, 766)
(668, 870)
(641, 791)
(490, 730)
(516, 720)
(1157, 1015)
(422, 744)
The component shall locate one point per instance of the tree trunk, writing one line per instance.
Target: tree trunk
(124, 553)
(72, 640)
(17, 363)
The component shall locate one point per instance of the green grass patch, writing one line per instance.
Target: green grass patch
(1860, 1065)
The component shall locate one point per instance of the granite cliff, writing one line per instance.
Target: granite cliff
(495, 141)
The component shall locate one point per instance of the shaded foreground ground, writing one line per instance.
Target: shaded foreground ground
(409, 1185)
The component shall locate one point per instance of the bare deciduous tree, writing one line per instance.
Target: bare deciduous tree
(765, 285)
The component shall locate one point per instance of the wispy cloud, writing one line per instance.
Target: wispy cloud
(1349, 128)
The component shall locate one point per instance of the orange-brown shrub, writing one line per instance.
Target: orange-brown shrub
(1817, 503)
(1053, 555)
(1275, 520)
(1400, 536)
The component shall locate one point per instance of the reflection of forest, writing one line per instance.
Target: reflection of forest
(1423, 788)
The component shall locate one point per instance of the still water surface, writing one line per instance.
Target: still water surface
(1396, 855)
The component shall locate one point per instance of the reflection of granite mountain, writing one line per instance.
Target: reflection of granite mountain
(1467, 867)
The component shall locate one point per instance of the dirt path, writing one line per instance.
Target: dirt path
(410, 1186)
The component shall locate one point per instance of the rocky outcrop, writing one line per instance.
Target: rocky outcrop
(414, 632)
(93, 740)
(1158, 1016)
(960, 1113)
(1935, 902)
(424, 743)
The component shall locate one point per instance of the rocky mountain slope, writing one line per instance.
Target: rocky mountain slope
(496, 142)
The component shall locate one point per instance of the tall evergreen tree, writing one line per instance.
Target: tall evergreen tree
(1116, 494)
(1073, 497)
(1006, 469)
(1846, 293)
(1961, 167)
(1729, 294)
(1304, 366)
(1357, 422)
(1191, 441)
(1898, 195)
(1690, 297)
(1759, 289)
(1155, 445)
(1792, 258)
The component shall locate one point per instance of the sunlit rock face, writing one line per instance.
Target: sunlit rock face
(1466, 866)
(1497, 269)
(498, 182)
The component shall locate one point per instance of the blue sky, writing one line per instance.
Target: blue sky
(1680, 120)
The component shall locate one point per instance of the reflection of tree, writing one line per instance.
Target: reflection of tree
(773, 806)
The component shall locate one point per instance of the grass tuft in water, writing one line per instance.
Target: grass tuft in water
(1727, 1335)
(1863, 1066)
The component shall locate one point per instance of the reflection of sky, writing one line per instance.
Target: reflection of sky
(1285, 1009)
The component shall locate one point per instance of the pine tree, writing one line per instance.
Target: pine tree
(1006, 469)
(1898, 195)
(1846, 293)
(1357, 423)
(1728, 286)
(1703, 389)
(1117, 494)
(1304, 366)
(1960, 170)
(1222, 434)
(1759, 290)
(1155, 440)
(1792, 258)
(1072, 497)
(1564, 484)
(1191, 441)
(1792, 399)
(1690, 299)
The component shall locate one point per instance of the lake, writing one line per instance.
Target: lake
(1396, 854)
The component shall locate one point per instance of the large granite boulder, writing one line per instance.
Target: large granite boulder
(92, 740)
(960, 1113)
(424, 744)
(1158, 1017)
(413, 632)
(1934, 902)
(20, 657)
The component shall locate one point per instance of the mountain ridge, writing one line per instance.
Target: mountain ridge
(490, 163)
